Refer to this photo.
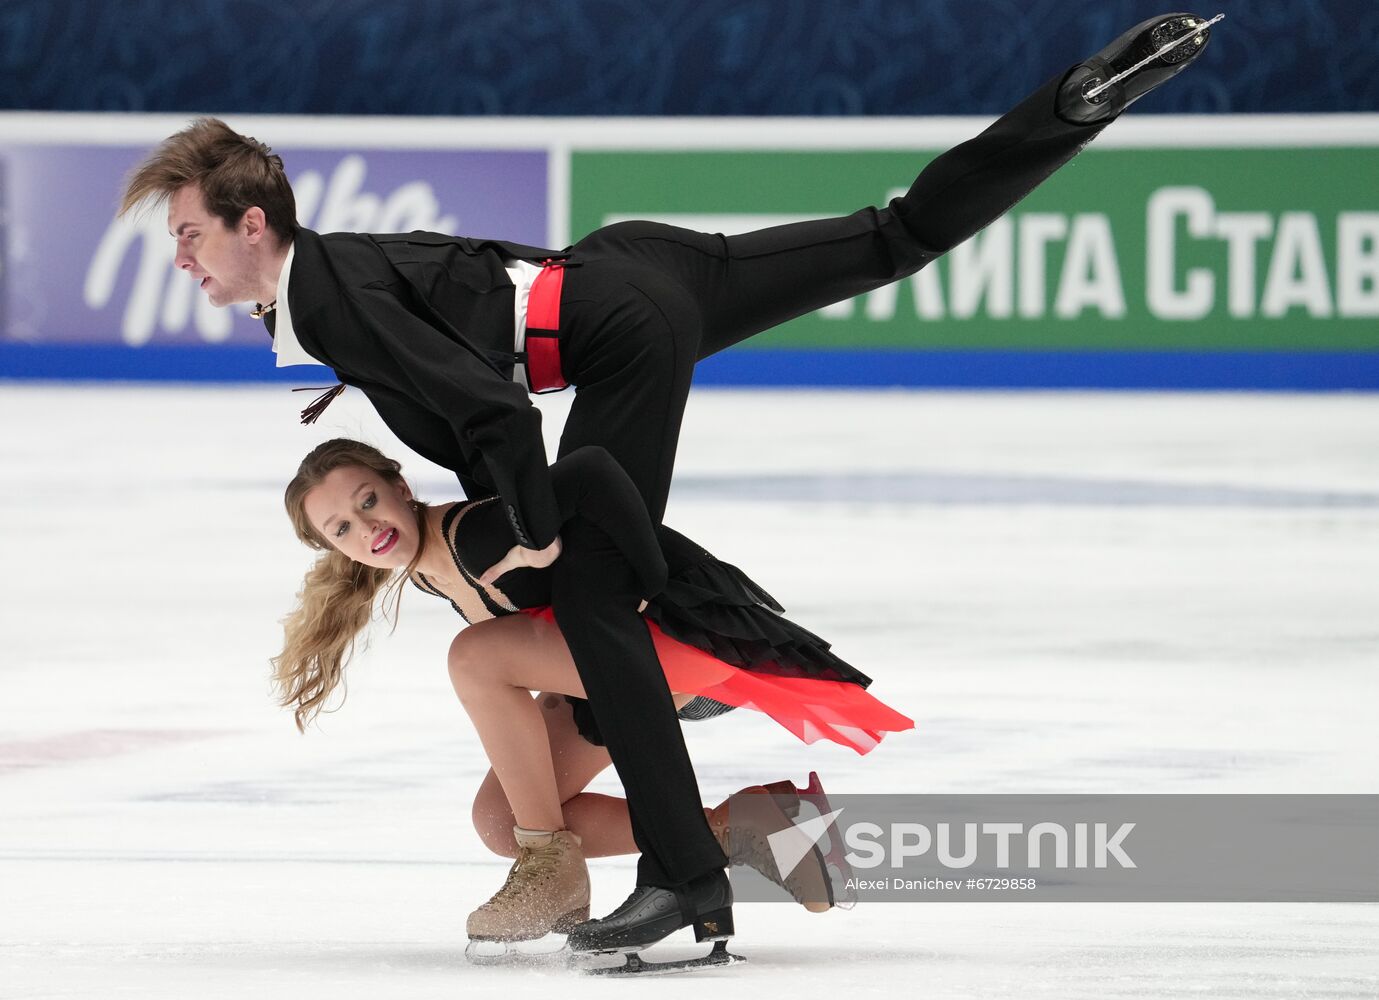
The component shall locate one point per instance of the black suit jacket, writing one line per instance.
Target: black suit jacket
(423, 324)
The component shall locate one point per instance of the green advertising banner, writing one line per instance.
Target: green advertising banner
(1200, 250)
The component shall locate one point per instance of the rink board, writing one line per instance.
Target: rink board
(1205, 252)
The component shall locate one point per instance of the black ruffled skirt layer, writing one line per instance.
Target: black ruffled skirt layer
(722, 637)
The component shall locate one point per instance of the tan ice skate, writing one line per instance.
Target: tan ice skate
(756, 813)
(546, 893)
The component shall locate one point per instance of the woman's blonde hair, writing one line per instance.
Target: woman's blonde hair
(338, 594)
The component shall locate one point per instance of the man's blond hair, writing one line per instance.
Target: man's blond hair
(233, 171)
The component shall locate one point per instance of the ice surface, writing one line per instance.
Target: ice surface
(1069, 592)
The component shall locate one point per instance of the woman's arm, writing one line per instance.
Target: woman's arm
(589, 483)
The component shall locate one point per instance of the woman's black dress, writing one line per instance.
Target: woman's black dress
(692, 597)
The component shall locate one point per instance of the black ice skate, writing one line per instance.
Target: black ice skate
(1147, 55)
(652, 913)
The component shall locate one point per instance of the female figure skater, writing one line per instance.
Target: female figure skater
(720, 638)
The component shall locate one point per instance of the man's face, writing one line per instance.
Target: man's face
(222, 259)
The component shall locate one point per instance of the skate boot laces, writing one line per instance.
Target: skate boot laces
(534, 867)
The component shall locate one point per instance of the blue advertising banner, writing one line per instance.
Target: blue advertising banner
(89, 295)
(1172, 255)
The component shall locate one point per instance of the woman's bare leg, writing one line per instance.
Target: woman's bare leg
(494, 667)
(601, 821)
(540, 762)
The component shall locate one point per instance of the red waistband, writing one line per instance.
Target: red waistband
(543, 329)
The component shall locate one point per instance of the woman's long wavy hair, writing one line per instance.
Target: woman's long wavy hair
(338, 595)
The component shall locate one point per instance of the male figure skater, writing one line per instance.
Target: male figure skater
(441, 332)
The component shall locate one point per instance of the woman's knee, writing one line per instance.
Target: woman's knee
(473, 662)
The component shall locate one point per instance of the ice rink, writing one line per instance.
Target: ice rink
(1068, 592)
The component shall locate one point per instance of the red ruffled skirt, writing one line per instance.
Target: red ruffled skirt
(811, 707)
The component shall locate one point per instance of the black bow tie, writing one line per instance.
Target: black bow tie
(270, 322)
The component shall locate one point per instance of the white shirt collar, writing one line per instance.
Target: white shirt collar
(285, 343)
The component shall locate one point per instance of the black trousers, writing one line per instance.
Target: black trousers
(642, 303)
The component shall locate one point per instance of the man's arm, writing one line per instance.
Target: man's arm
(430, 437)
(494, 432)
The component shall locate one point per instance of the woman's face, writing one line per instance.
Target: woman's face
(364, 517)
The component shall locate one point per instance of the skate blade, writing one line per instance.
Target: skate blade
(634, 965)
(1194, 32)
(550, 950)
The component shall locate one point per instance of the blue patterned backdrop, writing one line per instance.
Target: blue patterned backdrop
(651, 57)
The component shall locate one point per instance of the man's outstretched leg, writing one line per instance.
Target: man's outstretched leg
(749, 283)
(972, 185)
